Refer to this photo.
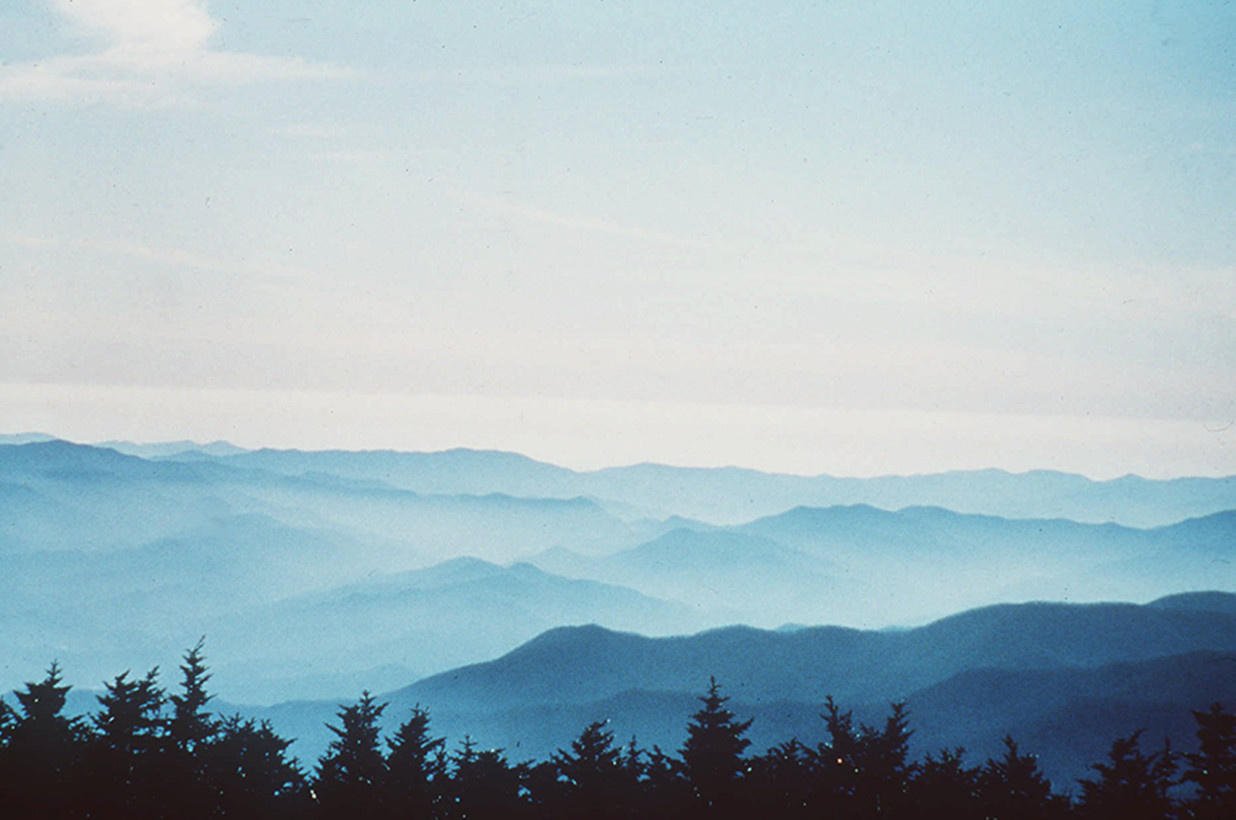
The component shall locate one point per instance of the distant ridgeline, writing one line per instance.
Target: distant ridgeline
(519, 602)
(146, 754)
(319, 574)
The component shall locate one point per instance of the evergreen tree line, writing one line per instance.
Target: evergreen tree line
(148, 754)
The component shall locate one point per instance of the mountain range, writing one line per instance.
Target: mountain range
(520, 600)
(1062, 679)
(731, 495)
(311, 572)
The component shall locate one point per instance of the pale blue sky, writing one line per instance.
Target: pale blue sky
(847, 237)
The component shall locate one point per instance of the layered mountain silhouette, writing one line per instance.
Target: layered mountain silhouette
(399, 626)
(732, 495)
(1062, 679)
(317, 574)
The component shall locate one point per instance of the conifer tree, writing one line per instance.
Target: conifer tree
(777, 781)
(597, 780)
(42, 776)
(943, 785)
(863, 771)
(351, 773)
(484, 786)
(7, 720)
(249, 773)
(125, 754)
(1130, 785)
(713, 754)
(1015, 788)
(1213, 767)
(131, 718)
(190, 724)
(190, 730)
(415, 768)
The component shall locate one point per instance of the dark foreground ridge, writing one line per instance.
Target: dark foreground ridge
(146, 753)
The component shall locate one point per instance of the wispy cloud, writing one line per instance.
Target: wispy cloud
(152, 52)
(537, 74)
(172, 256)
(176, 259)
(587, 224)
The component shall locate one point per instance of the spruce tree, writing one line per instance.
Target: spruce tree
(713, 754)
(131, 718)
(943, 785)
(597, 780)
(249, 773)
(44, 752)
(1013, 787)
(484, 786)
(1213, 767)
(127, 749)
(1130, 785)
(863, 771)
(415, 768)
(190, 729)
(190, 724)
(352, 771)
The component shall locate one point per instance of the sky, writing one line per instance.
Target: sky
(853, 238)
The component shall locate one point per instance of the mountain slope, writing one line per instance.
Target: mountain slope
(415, 623)
(589, 663)
(1064, 680)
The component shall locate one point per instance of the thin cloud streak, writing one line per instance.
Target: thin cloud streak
(156, 50)
(535, 74)
(172, 257)
(531, 213)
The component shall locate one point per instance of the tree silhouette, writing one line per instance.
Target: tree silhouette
(943, 785)
(862, 771)
(8, 719)
(125, 752)
(778, 780)
(484, 785)
(415, 768)
(143, 754)
(42, 763)
(1213, 767)
(131, 719)
(596, 779)
(353, 768)
(1130, 785)
(1014, 787)
(249, 774)
(190, 730)
(713, 754)
(190, 724)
